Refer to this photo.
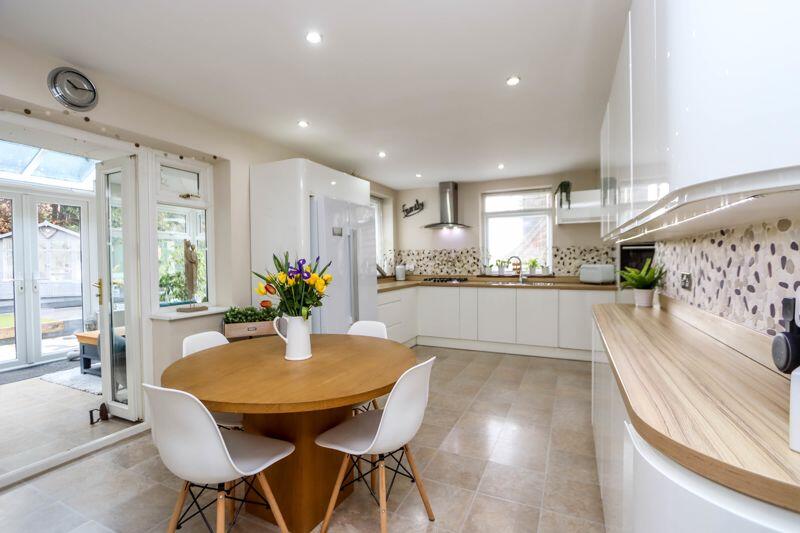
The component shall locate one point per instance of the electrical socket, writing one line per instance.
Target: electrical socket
(686, 281)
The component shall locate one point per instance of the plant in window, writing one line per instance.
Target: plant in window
(533, 264)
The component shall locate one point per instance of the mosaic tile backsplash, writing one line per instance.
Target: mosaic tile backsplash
(441, 262)
(740, 273)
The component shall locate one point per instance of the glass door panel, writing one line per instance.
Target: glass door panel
(12, 337)
(59, 276)
(118, 341)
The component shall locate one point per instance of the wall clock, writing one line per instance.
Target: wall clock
(72, 89)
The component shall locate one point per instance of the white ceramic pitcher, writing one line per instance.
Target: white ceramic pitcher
(297, 339)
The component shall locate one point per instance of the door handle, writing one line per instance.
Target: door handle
(99, 286)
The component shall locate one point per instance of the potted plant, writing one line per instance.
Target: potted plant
(241, 322)
(501, 267)
(643, 282)
(299, 287)
(533, 264)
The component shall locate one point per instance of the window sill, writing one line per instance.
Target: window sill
(169, 316)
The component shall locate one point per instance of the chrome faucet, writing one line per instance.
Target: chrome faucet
(518, 267)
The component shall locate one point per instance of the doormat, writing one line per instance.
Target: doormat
(73, 379)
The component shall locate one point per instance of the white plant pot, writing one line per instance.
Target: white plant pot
(297, 339)
(501, 271)
(643, 297)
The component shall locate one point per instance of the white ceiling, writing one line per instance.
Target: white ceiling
(424, 80)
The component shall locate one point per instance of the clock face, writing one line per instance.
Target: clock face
(72, 89)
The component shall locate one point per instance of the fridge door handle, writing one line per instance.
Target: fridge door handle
(354, 274)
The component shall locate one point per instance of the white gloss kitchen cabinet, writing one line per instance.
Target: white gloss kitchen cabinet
(537, 317)
(497, 315)
(690, 104)
(438, 312)
(538, 322)
(575, 316)
(398, 310)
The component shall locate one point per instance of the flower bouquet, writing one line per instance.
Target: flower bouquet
(299, 286)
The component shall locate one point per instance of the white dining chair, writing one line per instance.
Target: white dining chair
(203, 341)
(383, 432)
(193, 448)
(368, 328)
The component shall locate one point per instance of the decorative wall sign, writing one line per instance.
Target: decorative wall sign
(412, 210)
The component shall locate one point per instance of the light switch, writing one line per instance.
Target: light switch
(686, 281)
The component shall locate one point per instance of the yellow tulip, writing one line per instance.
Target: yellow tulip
(261, 289)
(307, 268)
(290, 282)
(328, 278)
(320, 286)
(282, 277)
(312, 279)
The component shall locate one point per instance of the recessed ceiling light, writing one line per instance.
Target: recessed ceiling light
(501, 166)
(333, 183)
(314, 37)
(419, 175)
(512, 81)
(381, 154)
(303, 123)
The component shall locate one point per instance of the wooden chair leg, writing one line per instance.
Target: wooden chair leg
(420, 485)
(230, 504)
(382, 494)
(176, 512)
(221, 526)
(335, 495)
(373, 476)
(273, 505)
(375, 404)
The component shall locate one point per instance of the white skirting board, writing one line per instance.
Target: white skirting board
(502, 347)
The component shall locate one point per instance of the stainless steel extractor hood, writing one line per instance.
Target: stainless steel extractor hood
(448, 207)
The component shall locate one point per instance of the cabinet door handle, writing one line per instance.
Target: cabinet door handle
(99, 286)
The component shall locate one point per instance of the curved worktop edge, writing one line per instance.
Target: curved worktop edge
(710, 461)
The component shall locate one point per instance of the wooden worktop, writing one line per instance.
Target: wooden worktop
(702, 403)
(552, 282)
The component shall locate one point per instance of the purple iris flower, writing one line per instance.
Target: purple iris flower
(299, 270)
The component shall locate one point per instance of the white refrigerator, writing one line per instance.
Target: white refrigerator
(344, 233)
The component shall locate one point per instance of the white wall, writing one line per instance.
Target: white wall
(412, 235)
(137, 117)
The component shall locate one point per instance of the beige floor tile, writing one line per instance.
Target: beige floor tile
(430, 436)
(492, 514)
(54, 518)
(155, 470)
(468, 444)
(481, 407)
(483, 424)
(573, 498)
(91, 527)
(458, 470)
(141, 512)
(512, 483)
(526, 417)
(449, 503)
(533, 458)
(572, 440)
(446, 418)
(20, 500)
(567, 465)
(550, 522)
(450, 402)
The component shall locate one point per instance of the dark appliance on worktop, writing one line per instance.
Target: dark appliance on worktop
(635, 255)
(445, 280)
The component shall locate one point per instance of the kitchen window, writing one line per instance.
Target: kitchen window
(518, 223)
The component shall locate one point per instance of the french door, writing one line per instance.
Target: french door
(44, 277)
(118, 286)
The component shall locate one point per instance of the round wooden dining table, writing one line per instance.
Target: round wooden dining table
(294, 401)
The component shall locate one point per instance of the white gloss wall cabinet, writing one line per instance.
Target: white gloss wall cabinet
(643, 491)
(439, 312)
(398, 310)
(468, 311)
(537, 317)
(689, 106)
(497, 315)
(575, 316)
